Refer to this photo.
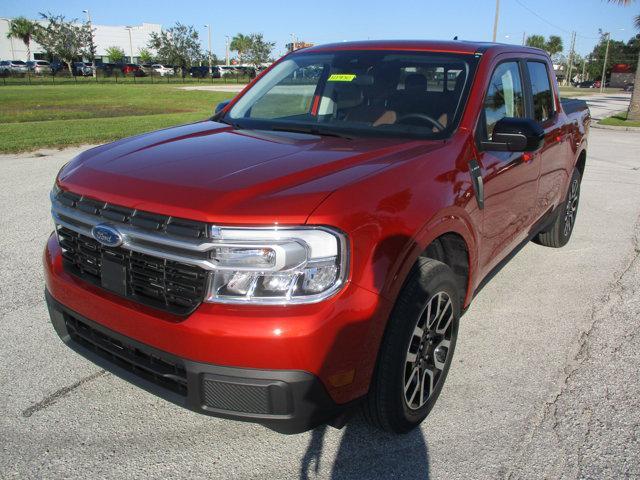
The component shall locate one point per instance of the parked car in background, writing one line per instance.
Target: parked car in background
(585, 84)
(147, 68)
(39, 67)
(246, 71)
(57, 66)
(227, 70)
(107, 69)
(628, 87)
(83, 69)
(202, 71)
(598, 84)
(162, 70)
(132, 69)
(13, 67)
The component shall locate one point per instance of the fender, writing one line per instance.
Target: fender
(450, 220)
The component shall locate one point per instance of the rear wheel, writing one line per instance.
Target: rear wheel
(417, 349)
(560, 232)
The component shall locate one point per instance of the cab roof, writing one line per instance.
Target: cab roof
(447, 46)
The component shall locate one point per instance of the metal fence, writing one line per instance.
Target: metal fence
(116, 77)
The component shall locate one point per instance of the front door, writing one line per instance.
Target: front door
(510, 179)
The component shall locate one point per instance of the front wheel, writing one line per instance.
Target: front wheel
(417, 349)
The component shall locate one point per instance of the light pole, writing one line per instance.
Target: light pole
(130, 44)
(93, 60)
(226, 58)
(495, 20)
(209, 28)
(604, 65)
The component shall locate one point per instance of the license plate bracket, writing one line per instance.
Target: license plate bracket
(114, 275)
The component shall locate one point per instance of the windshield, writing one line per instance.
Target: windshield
(359, 92)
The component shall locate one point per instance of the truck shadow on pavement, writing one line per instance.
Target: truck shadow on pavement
(367, 453)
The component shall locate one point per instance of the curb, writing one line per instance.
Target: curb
(613, 127)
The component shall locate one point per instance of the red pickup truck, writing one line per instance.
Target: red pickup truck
(312, 247)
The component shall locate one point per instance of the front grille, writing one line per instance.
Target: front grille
(151, 222)
(160, 371)
(172, 286)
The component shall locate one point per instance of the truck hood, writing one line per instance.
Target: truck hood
(211, 172)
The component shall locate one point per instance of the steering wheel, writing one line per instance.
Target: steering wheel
(422, 116)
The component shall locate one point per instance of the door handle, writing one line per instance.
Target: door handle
(478, 183)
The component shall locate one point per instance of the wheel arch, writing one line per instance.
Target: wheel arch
(449, 238)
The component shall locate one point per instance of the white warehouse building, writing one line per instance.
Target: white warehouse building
(131, 39)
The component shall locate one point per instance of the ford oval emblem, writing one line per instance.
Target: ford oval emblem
(107, 235)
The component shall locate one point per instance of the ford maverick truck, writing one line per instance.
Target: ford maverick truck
(311, 248)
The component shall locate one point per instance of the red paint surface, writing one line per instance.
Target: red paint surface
(391, 196)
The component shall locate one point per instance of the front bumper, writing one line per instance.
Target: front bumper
(318, 357)
(287, 401)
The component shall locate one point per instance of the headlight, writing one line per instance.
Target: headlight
(276, 266)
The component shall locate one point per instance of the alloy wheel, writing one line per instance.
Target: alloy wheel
(428, 350)
(572, 207)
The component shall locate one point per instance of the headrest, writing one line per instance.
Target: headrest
(415, 81)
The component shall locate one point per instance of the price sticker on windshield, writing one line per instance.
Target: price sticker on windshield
(341, 77)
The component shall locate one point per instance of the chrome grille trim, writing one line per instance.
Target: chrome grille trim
(192, 252)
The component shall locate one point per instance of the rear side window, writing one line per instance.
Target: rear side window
(541, 90)
(505, 97)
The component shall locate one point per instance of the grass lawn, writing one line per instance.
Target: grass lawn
(619, 120)
(57, 116)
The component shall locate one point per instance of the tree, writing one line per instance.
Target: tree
(633, 113)
(259, 50)
(553, 45)
(240, 44)
(145, 55)
(179, 45)
(536, 41)
(23, 29)
(115, 54)
(62, 38)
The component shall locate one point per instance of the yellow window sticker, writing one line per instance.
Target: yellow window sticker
(341, 77)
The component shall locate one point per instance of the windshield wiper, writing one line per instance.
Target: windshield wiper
(310, 129)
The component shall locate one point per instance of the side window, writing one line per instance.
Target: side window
(504, 97)
(541, 91)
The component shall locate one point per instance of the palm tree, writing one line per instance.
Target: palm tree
(23, 29)
(634, 105)
(241, 44)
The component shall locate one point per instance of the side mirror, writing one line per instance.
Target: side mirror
(515, 135)
(221, 106)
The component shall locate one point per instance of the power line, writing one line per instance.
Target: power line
(533, 12)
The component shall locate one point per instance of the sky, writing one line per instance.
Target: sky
(338, 20)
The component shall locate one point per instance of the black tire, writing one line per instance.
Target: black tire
(430, 283)
(559, 233)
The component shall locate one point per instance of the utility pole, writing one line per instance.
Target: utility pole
(573, 46)
(209, 27)
(584, 68)
(604, 65)
(495, 20)
(130, 44)
(524, 38)
(226, 60)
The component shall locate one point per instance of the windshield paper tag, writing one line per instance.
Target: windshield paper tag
(341, 77)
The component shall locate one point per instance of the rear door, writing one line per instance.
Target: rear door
(510, 179)
(552, 157)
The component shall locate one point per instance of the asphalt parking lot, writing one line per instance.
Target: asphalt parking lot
(545, 381)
